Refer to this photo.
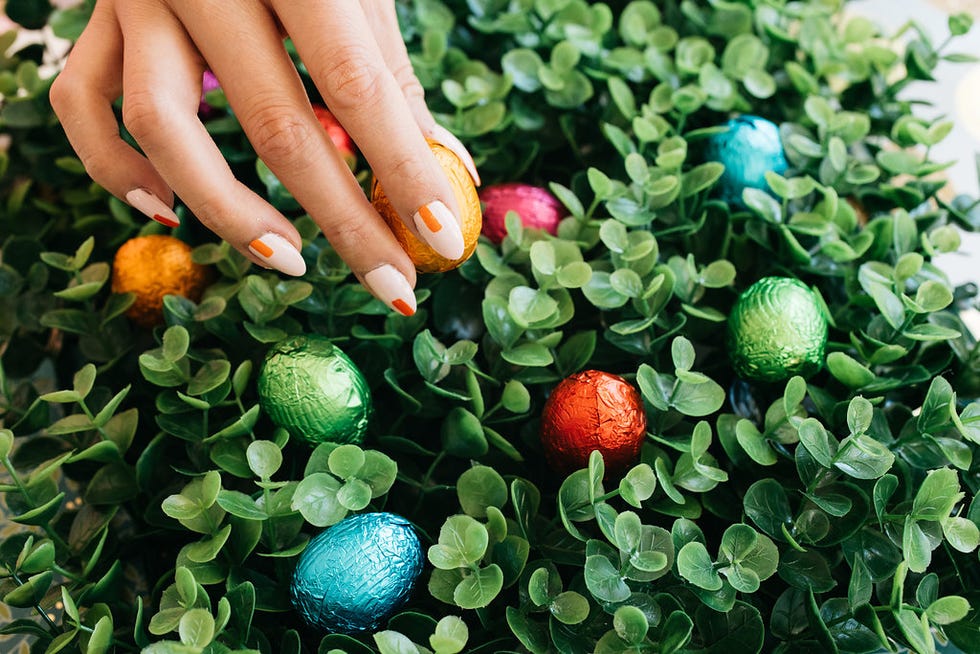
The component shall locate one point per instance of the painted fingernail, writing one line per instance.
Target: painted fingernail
(391, 287)
(449, 140)
(152, 206)
(438, 227)
(279, 253)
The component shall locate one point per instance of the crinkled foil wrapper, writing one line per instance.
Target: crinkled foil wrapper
(536, 206)
(593, 410)
(312, 389)
(749, 149)
(776, 330)
(357, 572)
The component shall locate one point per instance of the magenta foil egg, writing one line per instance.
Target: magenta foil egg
(537, 207)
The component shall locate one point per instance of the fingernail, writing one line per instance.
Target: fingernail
(391, 287)
(449, 140)
(152, 206)
(438, 227)
(278, 253)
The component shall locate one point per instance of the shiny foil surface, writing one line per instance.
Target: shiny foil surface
(593, 410)
(536, 206)
(426, 259)
(776, 330)
(749, 149)
(154, 266)
(309, 387)
(357, 572)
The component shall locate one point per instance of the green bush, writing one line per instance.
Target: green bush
(152, 505)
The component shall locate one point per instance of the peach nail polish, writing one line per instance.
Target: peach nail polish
(279, 253)
(438, 227)
(153, 207)
(391, 287)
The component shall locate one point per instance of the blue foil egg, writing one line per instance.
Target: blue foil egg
(749, 149)
(356, 573)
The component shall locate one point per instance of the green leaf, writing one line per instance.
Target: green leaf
(848, 371)
(196, 628)
(818, 442)
(450, 636)
(604, 581)
(479, 588)
(462, 541)
(264, 458)
(346, 461)
(481, 487)
(695, 564)
(176, 340)
(631, 624)
(316, 499)
(570, 607)
(863, 457)
(937, 495)
(947, 610)
(30, 592)
(752, 441)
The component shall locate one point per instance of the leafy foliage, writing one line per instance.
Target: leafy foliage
(153, 505)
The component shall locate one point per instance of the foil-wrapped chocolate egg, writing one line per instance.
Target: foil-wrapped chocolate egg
(749, 148)
(338, 135)
(426, 259)
(777, 329)
(593, 410)
(208, 83)
(312, 389)
(357, 572)
(152, 267)
(536, 206)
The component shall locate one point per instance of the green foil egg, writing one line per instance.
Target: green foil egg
(313, 390)
(777, 329)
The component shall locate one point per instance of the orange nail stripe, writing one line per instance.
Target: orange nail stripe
(429, 219)
(402, 307)
(163, 220)
(261, 248)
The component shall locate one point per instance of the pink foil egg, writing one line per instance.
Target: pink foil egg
(208, 83)
(537, 207)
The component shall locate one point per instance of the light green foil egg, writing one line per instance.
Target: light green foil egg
(776, 330)
(312, 389)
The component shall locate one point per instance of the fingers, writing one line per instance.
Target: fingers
(275, 113)
(382, 17)
(352, 76)
(160, 110)
(82, 97)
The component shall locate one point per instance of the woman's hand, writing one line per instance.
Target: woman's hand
(154, 52)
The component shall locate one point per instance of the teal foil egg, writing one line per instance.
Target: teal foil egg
(749, 149)
(359, 571)
(313, 390)
(777, 329)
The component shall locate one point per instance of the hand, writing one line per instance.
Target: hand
(154, 52)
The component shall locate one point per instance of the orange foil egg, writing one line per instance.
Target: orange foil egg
(593, 410)
(154, 266)
(426, 259)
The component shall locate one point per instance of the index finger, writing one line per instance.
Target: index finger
(350, 71)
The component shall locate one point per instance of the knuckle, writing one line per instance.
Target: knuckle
(410, 85)
(63, 93)
(144, 112)
(279, 134)
(97, 164)
(353, 77)
(211, 210)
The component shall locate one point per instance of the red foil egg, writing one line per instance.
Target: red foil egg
(593, 410)
(536, 206)
(341, 139)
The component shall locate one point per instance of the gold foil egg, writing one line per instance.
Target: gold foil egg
(426, 259)
(154, 266)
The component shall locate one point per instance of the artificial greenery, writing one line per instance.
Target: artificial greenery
(152, 505)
